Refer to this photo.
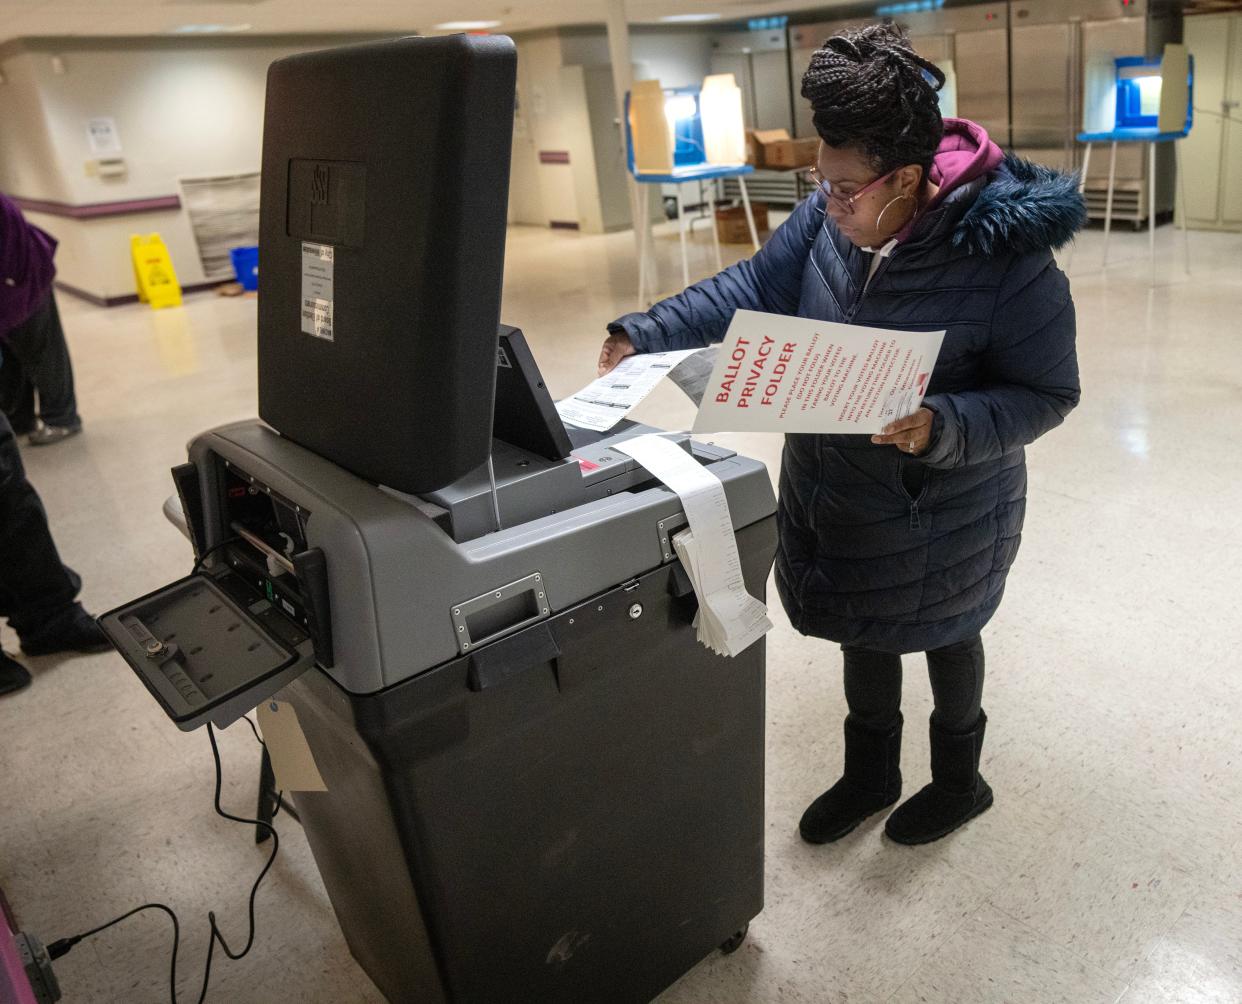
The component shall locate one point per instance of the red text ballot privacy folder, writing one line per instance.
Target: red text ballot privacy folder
(775, 373)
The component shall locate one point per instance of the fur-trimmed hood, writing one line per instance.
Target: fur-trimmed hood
(1023, 207)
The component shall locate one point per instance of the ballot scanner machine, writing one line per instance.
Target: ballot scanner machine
(536, 784)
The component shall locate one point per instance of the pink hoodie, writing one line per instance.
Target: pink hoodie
(965, 153)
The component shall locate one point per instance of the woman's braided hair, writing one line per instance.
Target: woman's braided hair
(870, 90)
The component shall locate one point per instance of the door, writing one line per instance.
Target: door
(770, 74)
(1042, 83)
(1207, 38)
(1231, 200)
(982, 65)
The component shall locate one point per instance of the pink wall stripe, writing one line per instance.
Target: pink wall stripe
(94, 210)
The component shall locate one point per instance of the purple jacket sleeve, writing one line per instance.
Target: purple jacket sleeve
(26, 268)
(770, 280)
(1030, 372)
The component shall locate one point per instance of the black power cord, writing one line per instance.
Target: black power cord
(59, 948)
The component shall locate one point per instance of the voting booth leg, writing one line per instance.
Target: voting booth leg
(570, 819)
(711, 213)
(1151, 207)
(1108, 202)
(645, 209)
(1082, 190)
(1181, 191)
(750, 216)
(681, 234)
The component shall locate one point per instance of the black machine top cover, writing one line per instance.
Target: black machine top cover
(381, 237)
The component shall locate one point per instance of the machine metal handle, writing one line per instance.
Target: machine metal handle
(500, 612)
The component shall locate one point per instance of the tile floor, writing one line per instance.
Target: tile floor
(1108, 870)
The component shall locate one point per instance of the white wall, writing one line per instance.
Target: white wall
(194, 107)
(27, 158)
(183, 108)
(542, 193)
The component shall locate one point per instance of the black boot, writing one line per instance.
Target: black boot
(73, 630)
(957, 792)
(13, 675)
(872, 781)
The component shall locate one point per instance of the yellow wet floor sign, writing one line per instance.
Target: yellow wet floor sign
(153, 271)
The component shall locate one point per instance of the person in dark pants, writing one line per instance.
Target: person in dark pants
(901, 542)
(34, 357)
(37, 591)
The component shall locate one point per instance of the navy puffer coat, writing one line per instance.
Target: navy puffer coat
(877, 549)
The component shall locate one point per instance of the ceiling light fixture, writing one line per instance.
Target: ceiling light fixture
(466, 25)
(208, 29)
(688, 18)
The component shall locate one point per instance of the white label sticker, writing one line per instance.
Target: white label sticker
(317, 268)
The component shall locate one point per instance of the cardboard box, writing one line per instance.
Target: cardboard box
(757, 140)
(731, 225)
(774, 149)
(791, 153)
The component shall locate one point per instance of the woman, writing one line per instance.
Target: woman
(901, 542)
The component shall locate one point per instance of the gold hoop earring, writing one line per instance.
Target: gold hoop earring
(880, 218)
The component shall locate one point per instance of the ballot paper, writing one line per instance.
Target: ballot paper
(694, 373)
(776, 373)
(602, 403)
(730, 620)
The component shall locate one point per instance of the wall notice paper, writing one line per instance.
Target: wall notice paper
(602, 403)
(103, 138)
(776, 373)
(730, 620)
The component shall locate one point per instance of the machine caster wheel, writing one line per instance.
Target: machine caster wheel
(735, 942)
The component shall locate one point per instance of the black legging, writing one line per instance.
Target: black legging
(873, 685)
(35, 587)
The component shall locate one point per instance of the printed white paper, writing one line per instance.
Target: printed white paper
(776, 373)
(602, 403)
(730, 619)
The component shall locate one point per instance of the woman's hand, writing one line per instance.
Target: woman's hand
(911, 434)
(616, 348)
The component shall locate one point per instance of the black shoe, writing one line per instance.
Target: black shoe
(957, 793)
(74, 631)
(13, 675)
(872, 781)
(47, 435)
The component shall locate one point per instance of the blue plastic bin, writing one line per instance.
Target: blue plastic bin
(246, 265)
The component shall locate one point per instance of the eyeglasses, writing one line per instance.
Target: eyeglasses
(844, 202)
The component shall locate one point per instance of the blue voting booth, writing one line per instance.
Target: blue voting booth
(683, 117)
(1151, 101)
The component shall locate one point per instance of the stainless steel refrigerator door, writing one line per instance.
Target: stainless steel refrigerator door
(981, 59)
(1044, 110)
(770, 74)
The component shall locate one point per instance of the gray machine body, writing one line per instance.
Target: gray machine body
(415, 582)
